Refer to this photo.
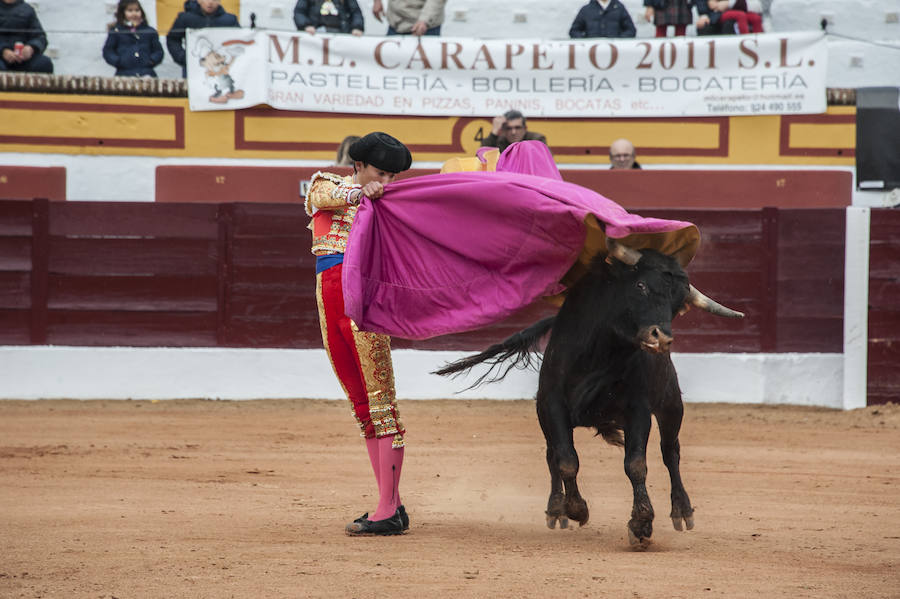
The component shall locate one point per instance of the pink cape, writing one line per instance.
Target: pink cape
(453, 252)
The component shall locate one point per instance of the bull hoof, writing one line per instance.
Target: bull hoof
(688, 523)
(577, 509)
(638, 544)
(639, 533)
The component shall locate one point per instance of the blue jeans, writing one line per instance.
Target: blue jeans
(36, 64)
(432, 31)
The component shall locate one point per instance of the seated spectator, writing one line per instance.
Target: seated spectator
(331, 16)
(508, 128)
(746, 14)
(343, 151)
(22, 39)
(663, 13)
(709, 19)
(602, 18)
(197, 14)
(416, 17)
(132, 46)
(622, 155)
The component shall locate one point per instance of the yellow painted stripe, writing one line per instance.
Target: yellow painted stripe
(659, 134)
(817, 135)
(58, 123)
(752, 139)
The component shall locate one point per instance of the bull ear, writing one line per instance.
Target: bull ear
(622, 253)
(695, 298)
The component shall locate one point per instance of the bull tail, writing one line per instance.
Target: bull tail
(519, 347)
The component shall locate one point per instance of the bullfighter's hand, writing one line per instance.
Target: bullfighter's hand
(372, 190)
(377, 10)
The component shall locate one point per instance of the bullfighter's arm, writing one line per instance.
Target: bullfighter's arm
(328, 191)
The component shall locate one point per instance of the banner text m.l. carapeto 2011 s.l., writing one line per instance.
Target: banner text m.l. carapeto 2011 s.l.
(780, 73)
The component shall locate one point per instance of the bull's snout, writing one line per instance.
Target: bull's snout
(655, 340)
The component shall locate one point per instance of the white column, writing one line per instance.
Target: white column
(856, 307)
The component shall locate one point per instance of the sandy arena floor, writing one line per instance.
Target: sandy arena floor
(249, 499)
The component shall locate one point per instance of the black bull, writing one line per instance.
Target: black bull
(607, 366)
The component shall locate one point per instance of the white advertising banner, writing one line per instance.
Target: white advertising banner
(777, 73)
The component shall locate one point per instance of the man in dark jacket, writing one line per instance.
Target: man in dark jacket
(602, 18)
(22, 39)
(198, 14)
(509, 128)
(334, 16)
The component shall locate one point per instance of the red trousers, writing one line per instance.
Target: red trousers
(745, 20)
(361, 361)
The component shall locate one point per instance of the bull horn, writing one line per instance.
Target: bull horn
(622, 253)
(695, 298)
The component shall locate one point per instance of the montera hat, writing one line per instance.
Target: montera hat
(381, 151)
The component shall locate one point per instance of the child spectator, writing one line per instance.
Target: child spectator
(197, 14)
(602, 18)
(22, 39)
(331, 16)
(132, 46)
(663, 13)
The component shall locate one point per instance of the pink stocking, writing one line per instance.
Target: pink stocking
(372, 447)
(390, 465)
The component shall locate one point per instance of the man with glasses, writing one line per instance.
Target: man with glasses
(509, 128)
(622, 155)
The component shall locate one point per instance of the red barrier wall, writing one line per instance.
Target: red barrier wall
(27, 182)
(144, 274)
(723, 189)
(884, 307)
(265, 184)
(633, 189)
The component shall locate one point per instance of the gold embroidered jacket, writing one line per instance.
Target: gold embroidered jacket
(328, 203)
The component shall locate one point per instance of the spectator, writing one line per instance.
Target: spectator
(418, 17)
(622, 155)
(602, 18)
(709, 20)
(746, 14)
(197, 14)
(22, 39)
(343, 151)
(508, 128)
(332, 16)
(663, 13)
(132, 46)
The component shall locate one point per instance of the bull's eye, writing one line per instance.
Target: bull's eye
(642, 287)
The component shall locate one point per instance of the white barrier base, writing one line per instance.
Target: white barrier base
(50, 372)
